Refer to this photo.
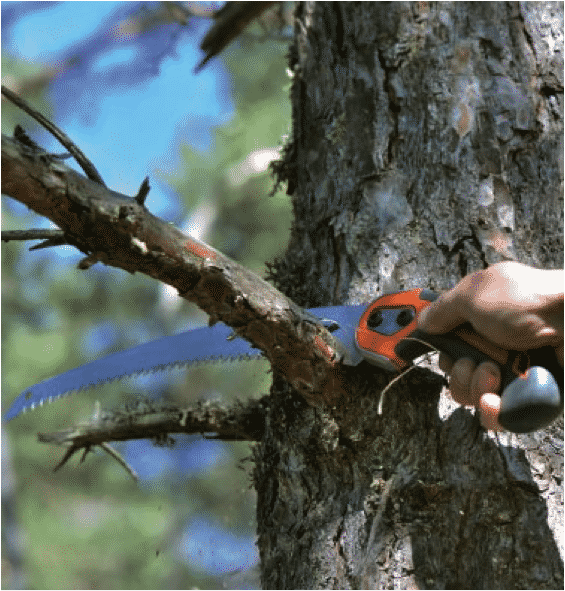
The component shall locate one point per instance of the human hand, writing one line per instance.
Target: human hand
(512, 305)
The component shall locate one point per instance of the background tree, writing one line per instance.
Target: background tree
(423, 148)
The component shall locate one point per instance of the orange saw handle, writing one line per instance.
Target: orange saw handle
(531, 381)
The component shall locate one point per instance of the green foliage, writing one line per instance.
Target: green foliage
(250, 225)
(13, 70)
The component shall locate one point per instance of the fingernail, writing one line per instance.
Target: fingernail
(489, 409)
(460, 381)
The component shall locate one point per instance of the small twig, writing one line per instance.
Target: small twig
(38, 234)
(87, 448)
(50, 242)
(120, 459)
(49, 237)
(21, 135)
(143, 191)
(83, 161)
(69, 453)
(144, 421)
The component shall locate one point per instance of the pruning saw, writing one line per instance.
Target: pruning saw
(383, 333)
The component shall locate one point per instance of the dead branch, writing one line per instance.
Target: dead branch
(147, 420)
(119, 231)
(49, 237)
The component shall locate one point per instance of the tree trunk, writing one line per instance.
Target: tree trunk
(427, 144)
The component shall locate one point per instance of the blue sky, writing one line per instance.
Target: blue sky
(128, 104)
(128, 124)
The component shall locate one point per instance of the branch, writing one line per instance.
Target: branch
(147, 421)
(242, 422)
(115, 229)
(49, 237)
(231, 19)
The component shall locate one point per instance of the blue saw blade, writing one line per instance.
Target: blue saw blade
(193, 346)
(184, 349)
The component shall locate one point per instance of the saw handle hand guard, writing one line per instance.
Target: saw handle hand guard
(531, 381)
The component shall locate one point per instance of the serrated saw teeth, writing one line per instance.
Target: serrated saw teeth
(203, 345)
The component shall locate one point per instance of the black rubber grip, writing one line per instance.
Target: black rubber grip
(529, 401)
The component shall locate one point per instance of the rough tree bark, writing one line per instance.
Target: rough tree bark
(427, 144)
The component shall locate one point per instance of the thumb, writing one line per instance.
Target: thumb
(441, 316)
